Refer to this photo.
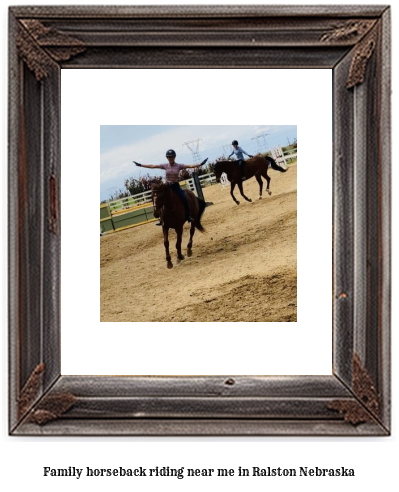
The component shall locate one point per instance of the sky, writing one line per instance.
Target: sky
(147, 144)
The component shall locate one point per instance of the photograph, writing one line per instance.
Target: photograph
(226, 212)
(56, 154)
(188, 115)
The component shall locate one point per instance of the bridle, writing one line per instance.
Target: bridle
(155, 196)
(160, 194)
(217, 172)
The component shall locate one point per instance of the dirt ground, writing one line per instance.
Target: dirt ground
(243, 268)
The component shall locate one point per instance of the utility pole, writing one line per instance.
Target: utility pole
(225, 150)
(193, 147)
(262, 143)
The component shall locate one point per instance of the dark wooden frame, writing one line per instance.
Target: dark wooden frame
(353, 41)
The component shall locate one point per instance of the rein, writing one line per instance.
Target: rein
(171, 193)
(163, 193)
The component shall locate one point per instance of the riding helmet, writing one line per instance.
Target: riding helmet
(234, 142)
(170, 153)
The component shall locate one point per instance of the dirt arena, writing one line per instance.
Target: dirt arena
(243, 267)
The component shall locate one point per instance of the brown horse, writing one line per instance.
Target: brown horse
(255, 166)
(169, 207)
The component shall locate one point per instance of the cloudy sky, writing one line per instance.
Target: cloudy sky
(147, 144)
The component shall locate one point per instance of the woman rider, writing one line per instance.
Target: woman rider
(173, 169)
(238, 151)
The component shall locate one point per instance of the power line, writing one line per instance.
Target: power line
(193, 147)
(262, 143)
(225, 150)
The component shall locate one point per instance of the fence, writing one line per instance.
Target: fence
(111, 222)
(126, 203)
(137, 209)
(207, 179)
(224, 181)
(280, 157)
(129, 202)
(134, 202)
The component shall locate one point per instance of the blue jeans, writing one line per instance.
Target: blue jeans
(176, 188)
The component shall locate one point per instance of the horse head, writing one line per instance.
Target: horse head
(217, 171)
(158, 196)
(221, 167)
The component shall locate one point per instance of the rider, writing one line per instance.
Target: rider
(238, 151)
(173, 169)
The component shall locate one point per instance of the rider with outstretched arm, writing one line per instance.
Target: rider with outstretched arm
(173, 169)
(238, 151)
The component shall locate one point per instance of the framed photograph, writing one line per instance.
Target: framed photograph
(240, 262)
(352, 43)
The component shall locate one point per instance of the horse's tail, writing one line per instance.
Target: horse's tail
(274, 165)
(201, 208)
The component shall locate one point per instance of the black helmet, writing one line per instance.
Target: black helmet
(170, 153)
(234, 142)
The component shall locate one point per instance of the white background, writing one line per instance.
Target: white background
(22, 459)
(109, 97)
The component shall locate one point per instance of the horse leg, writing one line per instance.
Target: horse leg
(232, 186)
(259, 180)
(190, 243)
(179, 233)
(268, 179)
(165, 230)
(242, 192)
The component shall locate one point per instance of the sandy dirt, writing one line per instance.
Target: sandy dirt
(243, 267)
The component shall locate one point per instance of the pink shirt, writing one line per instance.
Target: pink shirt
(172, 172)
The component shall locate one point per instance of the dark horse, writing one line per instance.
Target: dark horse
(169, 207)
(256, 166)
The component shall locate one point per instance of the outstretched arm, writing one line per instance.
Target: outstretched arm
(149, 166)
(195, 165)
(243, 151)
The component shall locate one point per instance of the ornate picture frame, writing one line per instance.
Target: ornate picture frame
(353, 42)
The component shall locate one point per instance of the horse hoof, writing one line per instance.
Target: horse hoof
(169, 265)
(237, 203)
(269, 192)
(260, 198)
(250, 200)
(189, 253)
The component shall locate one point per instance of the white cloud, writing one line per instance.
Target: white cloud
(117, 163)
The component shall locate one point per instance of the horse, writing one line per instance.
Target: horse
(169, 208)
(255, 166)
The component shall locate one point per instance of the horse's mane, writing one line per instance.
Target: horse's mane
(159, 185)
(221, 164)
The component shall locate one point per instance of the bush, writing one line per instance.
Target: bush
(135, 186)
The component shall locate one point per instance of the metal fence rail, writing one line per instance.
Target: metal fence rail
(130, 201)
(140, 198)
